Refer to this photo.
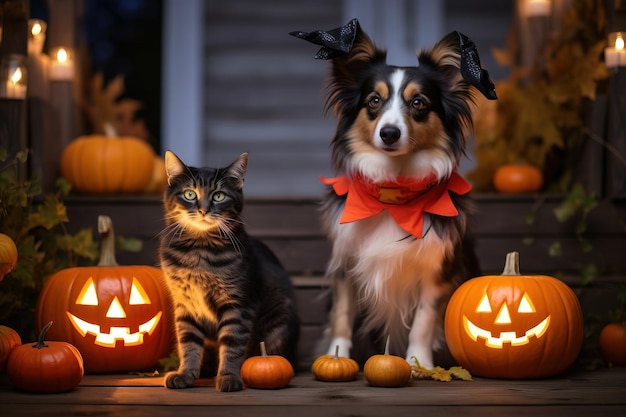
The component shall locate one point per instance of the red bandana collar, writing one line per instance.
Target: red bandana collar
(405, 199)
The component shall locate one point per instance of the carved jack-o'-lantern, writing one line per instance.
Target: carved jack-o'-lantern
(119, 317)
(513, 326)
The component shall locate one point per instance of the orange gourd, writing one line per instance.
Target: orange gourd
(514, 326)
(100, 164)
(613, 343)
(517, 179)
(118, 316)
(9, 339)
(387, 370)
(335, 368)
(45, 367)
(8, 255)
(266, 371)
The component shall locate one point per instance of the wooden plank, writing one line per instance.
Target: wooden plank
(578, 388)
(320, 409)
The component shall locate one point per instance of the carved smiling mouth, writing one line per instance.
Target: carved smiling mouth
(476, 332)
(116, 333)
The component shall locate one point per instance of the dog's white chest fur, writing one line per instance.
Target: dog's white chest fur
(391, 269)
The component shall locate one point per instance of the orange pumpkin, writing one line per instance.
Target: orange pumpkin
(335, 368)
(45, 367)
(119, 317)
(514, 326)
(518, 179)
(9, 339)
(387, 370)
(101, 164)
(266, 371)
(8, 255)
(613, 343)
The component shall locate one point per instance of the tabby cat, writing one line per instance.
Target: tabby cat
(229, 290)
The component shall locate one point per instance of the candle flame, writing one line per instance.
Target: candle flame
(36, 30)
(619, 43)
(62, 55)
(17, 76)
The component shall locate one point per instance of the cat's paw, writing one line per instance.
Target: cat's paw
(228, 383)
(175, 380)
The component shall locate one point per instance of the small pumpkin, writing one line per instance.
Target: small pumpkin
(387, 370)
(45, 367)
(514, 326)
(517, 179)
(8, 255)
(108, 164)
(613, 343)
(119, 316)
(335, 368)
(9, 339)
(266, 371)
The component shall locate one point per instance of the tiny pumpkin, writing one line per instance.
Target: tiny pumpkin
(108, 164)
(335, 368)
(9, 339)
(514, 326)
(45, 367)
(387, 370)
(517, 179)
(266, 371)
(613, 343)
(8, 255)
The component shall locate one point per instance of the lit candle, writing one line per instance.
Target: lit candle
(615, 54)
(36, 36)
(537, 8)
(61, 65)
(15, 85)
(13, 70)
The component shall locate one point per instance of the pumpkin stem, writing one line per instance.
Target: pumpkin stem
(511, 264)
(109, 130)
(336, 352)
(107, 241)
(263, 350)
(42, 335)
(387, 345)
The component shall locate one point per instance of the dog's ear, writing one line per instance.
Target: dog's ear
(342, 42)
(456, 52)
(351, 50)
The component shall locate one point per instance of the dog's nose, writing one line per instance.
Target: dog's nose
(390, 134)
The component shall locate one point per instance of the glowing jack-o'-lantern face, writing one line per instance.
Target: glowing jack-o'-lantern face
(502, 324)
(119, 317)
(514, 326)
(138, 296)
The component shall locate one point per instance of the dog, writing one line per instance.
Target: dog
(398, 212)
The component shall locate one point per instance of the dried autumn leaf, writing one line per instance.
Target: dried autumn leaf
(439, 373)
(461, 373)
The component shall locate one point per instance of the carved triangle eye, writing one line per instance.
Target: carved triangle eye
(526, 305)
(88, 295)
(137, 294)
(484, 306)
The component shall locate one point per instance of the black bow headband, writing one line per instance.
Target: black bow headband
(339, 41)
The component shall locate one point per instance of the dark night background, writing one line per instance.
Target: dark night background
(123, 37)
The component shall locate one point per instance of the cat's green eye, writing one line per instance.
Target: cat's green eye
(219, 196)
(189, 195)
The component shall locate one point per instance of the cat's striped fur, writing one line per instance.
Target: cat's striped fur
(229, 290)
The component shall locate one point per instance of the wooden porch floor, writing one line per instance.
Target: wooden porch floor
(577, 393)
